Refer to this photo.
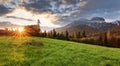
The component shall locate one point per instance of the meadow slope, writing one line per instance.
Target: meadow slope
(35, 51)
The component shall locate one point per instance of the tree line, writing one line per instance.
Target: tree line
(102, 39)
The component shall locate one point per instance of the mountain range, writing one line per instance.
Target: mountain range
(92, 26)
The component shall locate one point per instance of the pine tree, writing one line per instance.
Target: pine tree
(84, 34)
(38, 26)
(105, 39)
(54, 33)
(78, 35)
(58, 35)
(100, 39)
(62, 35)
(67, 35)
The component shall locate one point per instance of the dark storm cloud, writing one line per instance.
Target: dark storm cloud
(102, 4)
(40, 5)
(19, 18)
(100, 7)
(85, 6)
(70, 8)
(4, 10)
(79, 8)
(54, 6)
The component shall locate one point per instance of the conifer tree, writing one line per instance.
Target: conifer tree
(67, 35)
(105, 39)
(84, 34)
(100, 39)
(78, 35)
(54, 33)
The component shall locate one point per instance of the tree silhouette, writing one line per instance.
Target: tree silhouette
(84, 34)
(105, 39)
(66, 35)
(100, 39)
(78, 35)
(54, 33)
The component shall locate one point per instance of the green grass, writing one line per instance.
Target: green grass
(18, 52)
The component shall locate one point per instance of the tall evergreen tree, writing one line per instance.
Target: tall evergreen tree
(38, 26)
(54, 33)
(105, 39)
(62, 36)
(100, 39)
(67, 35)
(84, 34)
(58, 35)
(78, 35)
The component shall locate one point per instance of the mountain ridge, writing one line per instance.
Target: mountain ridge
(95, 25)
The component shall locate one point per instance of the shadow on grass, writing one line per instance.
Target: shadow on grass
(34, 43)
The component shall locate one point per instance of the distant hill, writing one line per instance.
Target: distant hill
(98, 19)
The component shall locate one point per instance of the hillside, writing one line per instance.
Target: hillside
(29, 51)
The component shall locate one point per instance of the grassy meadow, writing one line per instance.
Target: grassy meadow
(36, 51)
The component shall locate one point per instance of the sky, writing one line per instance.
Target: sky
(56, 13)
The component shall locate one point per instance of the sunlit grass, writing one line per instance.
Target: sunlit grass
(15, 51)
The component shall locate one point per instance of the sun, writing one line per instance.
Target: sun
(20, 29)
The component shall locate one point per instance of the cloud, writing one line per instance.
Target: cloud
(1, 1)
(70, 1)
(66, 9)
(14, 17)
(101, 8)
(83, 3)
(41, 6)
(102, 4)
(4, 10)
(66, 5)
(37, 6)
